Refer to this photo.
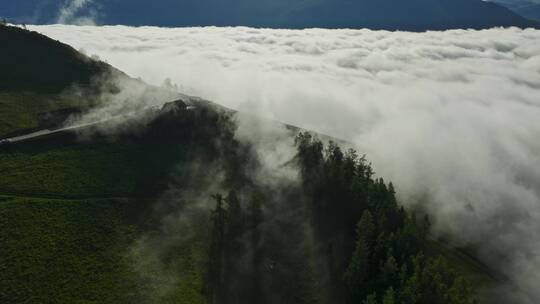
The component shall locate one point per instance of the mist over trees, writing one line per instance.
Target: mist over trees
(352, 243)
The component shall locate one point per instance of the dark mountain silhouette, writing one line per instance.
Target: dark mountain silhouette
(525, 8)
(414, 15)
(31, 61)
(531, 11)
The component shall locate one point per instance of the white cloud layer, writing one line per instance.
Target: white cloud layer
(453, 118)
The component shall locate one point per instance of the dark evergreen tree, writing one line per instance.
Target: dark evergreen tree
(389, 296)
(255, 218)
(235, 216)
(215, 280)
(386, 264)
(372, 249)
(357, 273)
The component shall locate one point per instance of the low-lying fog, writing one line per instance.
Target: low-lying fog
(452, 118)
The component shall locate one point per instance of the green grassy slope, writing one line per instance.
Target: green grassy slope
(24, 112)
(74, 210)
(89, 171)
(70, 215)
(81, 251)
(20, 110)
(65, 251)
(98, 169)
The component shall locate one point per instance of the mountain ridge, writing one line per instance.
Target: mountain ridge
(525, 8)
(414, 15)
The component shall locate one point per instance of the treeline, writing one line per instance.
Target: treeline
(387, 263)
(366, 248)
(230, 222)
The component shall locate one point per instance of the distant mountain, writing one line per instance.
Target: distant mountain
(513, 4)
(527, 9)
(415, 15)
(531, 12)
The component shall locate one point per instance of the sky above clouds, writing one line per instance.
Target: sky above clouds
(414, 15)
(70, 13)
(452, 118)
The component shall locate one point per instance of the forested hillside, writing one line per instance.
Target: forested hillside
(188, 199)
(348, 241)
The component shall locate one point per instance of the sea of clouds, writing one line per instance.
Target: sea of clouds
(452, 118)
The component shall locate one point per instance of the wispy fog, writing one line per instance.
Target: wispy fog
(453, 118)
(77, 12)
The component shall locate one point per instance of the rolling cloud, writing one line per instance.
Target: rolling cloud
(451, 117)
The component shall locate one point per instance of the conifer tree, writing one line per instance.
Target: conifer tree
(389, 297)
(371, 299)
(357, 272)
(216, 255)
(235, 216)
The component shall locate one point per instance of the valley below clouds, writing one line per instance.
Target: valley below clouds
(452, 118)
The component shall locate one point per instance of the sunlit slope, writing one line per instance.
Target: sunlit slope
(97, 169)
